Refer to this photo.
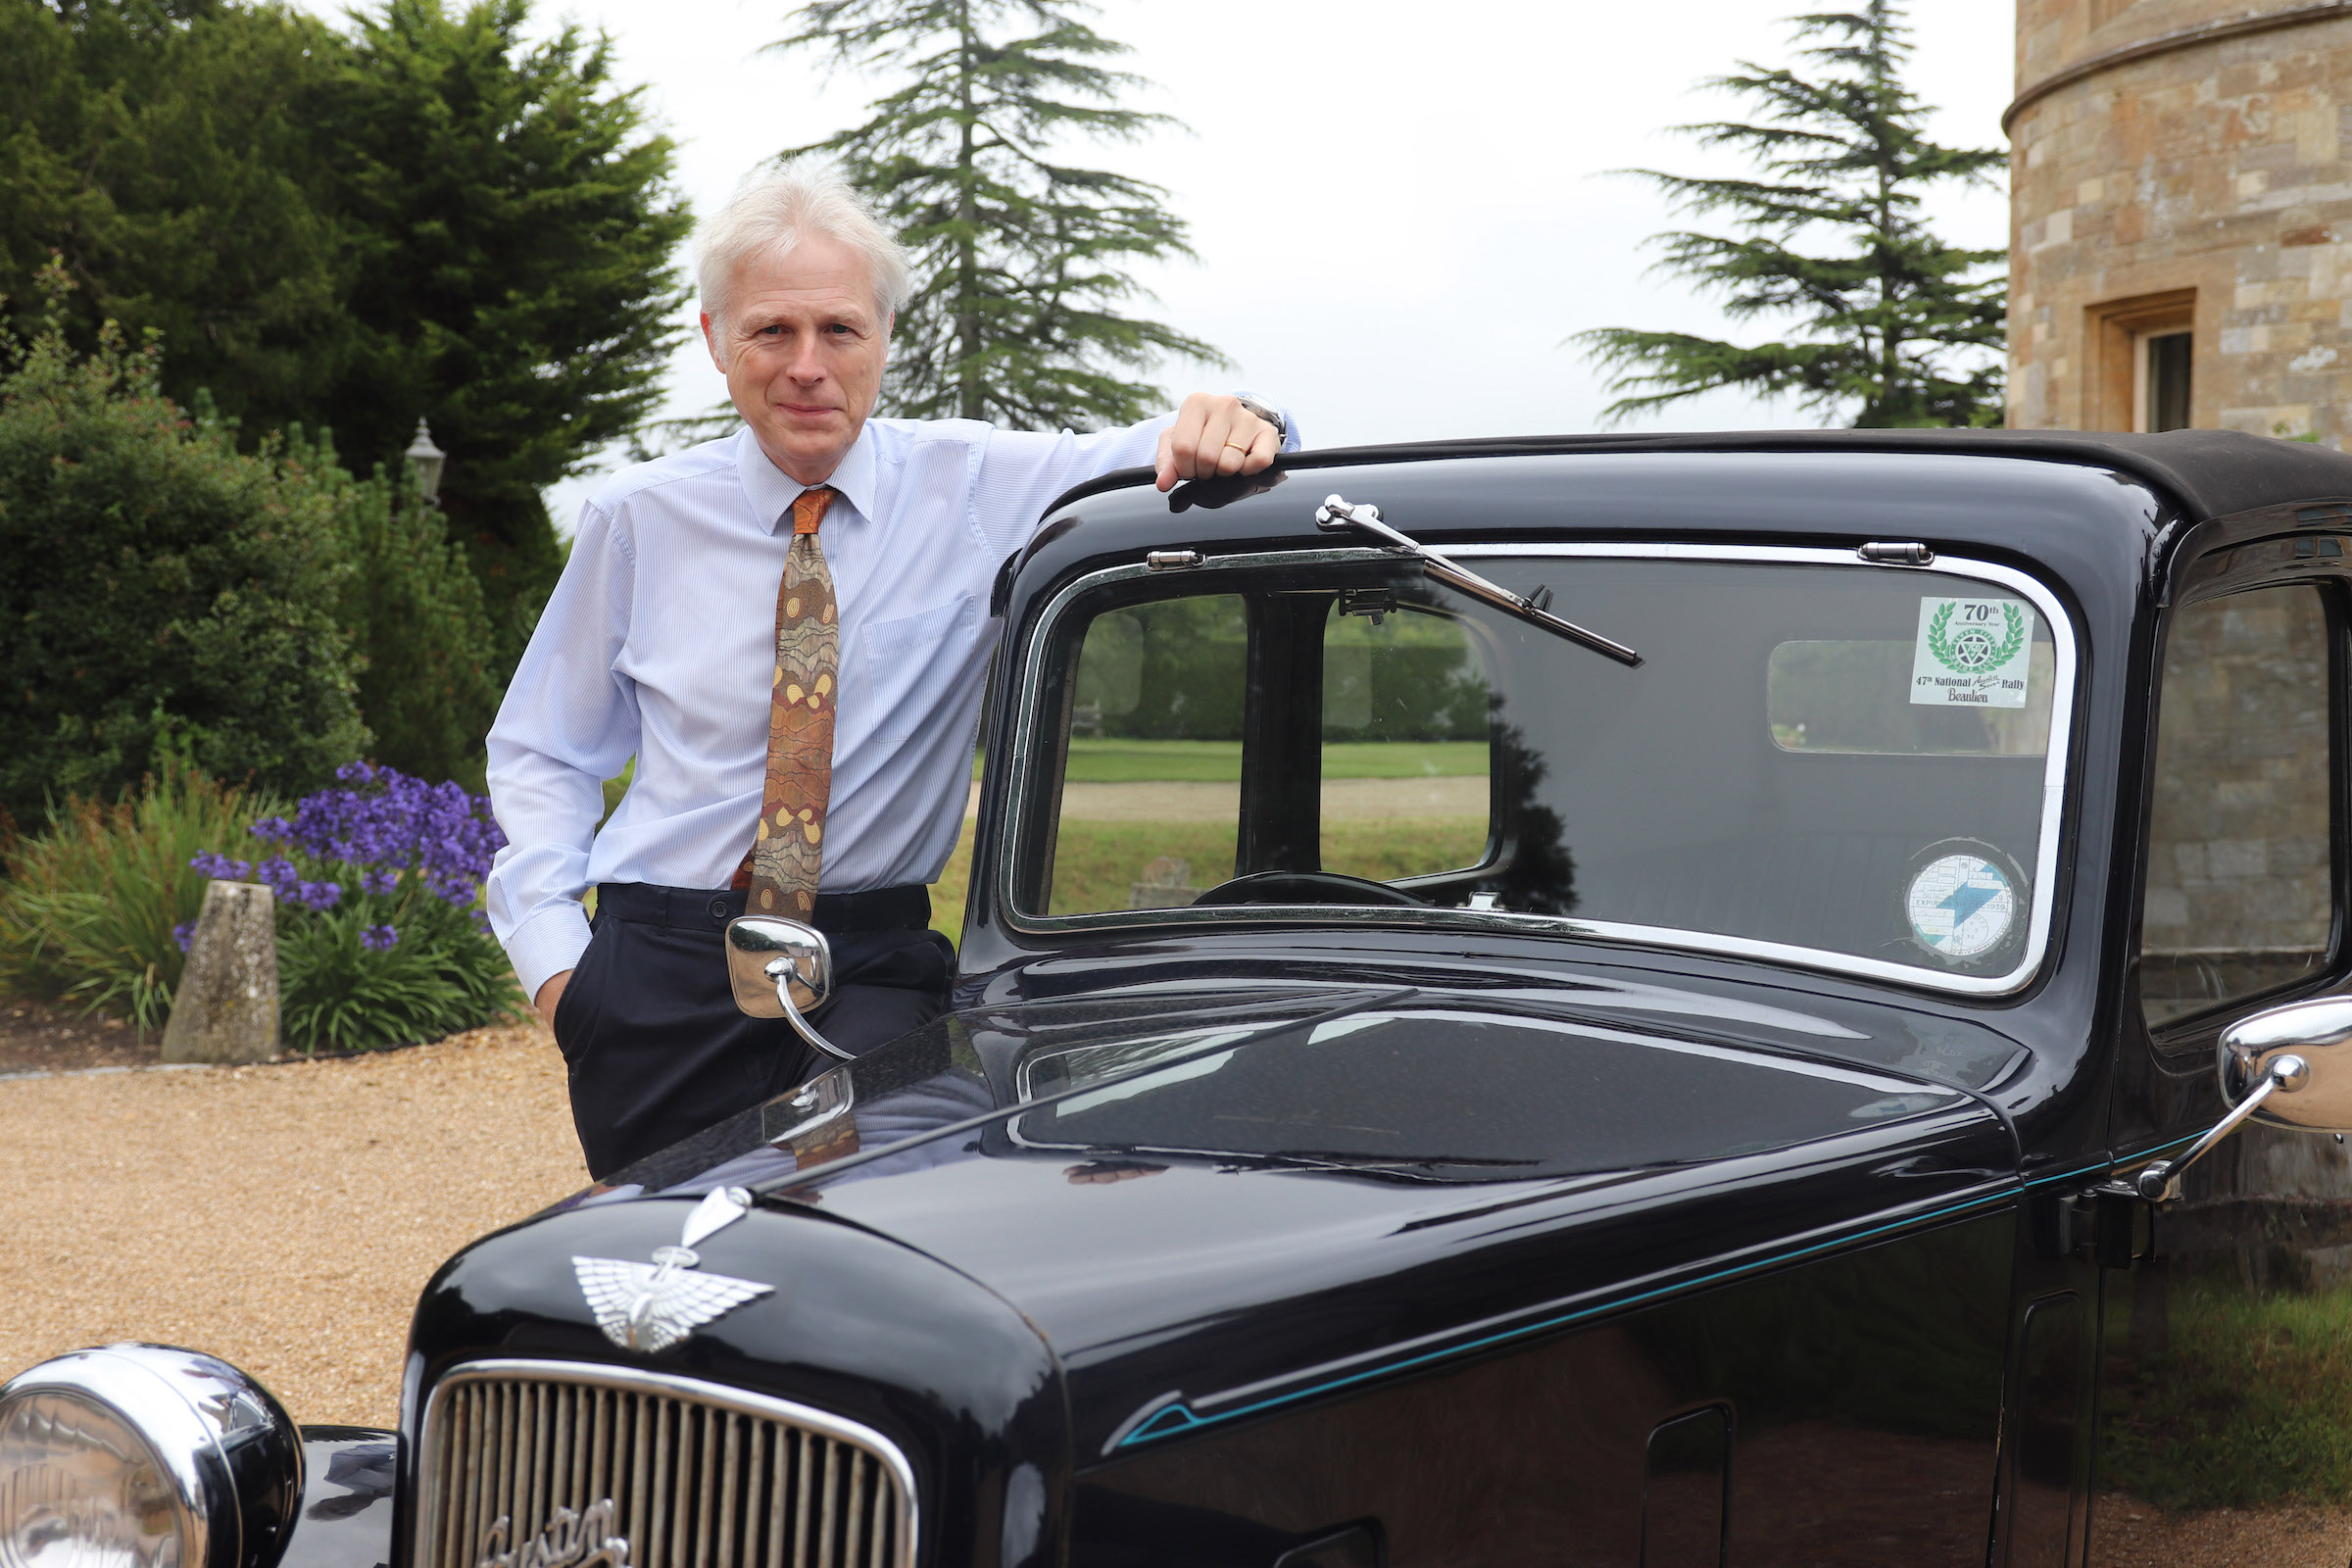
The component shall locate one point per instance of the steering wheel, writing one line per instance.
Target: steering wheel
(1306, 887)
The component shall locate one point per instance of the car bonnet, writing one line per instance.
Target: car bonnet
(1258, 1181)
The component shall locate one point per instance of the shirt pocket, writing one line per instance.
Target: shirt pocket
(915, 665)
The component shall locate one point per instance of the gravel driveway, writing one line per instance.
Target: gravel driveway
(284, 1217)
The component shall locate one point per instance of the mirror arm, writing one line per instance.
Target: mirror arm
(1336, 513)
(2161, 1182)
(781, 972)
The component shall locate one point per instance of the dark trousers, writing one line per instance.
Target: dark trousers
(649, 1028)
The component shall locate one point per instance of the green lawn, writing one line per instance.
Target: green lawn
(2247, 1407)
(1118, 762)
(1096, 864)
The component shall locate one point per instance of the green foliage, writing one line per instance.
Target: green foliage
(1022, 260)
(169, 152)
(512, 222)
(165, 593)
(1177, 670)
(427, 215)
(444, 975)
(426, 655)
(89, 907)
(1899, 327)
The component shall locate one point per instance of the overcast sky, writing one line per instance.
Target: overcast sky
(1399, 208)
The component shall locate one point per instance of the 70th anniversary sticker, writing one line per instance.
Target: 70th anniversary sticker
(1972, 653)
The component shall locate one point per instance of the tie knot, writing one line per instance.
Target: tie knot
(808, 508)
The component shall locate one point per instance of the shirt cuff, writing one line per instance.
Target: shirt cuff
(548, 944)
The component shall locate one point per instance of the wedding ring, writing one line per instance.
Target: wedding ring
(1236, 446)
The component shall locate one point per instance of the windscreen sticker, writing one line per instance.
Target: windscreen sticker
(1960, 906)
(1972, 653)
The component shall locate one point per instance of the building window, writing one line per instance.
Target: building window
(2139, 353)
(2160, 373)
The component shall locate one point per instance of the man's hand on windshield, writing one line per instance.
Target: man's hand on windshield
(1214, 436)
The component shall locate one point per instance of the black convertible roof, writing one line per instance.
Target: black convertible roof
(2210, 473)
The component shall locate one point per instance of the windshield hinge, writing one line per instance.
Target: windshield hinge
(1897, 555)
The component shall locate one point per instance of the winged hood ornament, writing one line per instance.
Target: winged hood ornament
(652, 1307)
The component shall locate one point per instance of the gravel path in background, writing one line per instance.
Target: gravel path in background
(284, 1217)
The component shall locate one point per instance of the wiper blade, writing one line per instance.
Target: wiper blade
(1335, 513)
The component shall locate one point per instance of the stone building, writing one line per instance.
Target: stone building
(2180, 238)
(2181, 253)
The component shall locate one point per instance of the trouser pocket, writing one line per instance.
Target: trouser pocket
(582, 1000)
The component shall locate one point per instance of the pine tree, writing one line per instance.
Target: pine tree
(1021, 259)
(1898, 327)
(515, 279)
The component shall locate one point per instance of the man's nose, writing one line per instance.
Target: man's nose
(806, 363)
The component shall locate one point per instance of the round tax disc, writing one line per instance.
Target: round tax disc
(1961, 906)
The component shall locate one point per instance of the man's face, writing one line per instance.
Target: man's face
(802, 350)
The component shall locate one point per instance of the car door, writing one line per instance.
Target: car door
(2223, 1387)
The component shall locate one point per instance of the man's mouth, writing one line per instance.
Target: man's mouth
(808, 410)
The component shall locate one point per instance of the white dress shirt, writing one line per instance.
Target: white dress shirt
(658, 643)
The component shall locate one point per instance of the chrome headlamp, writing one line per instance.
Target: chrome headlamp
(144, 1456)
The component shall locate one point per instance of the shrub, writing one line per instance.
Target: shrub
(379, 940)
(87, 912)
(425, 656)
(162, 591)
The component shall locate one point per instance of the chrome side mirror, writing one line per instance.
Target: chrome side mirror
(2287, 1067)
(2318, 1031)
(781, 969)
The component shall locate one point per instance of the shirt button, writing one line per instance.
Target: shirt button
(718, 910)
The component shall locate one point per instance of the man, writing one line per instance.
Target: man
(788, 630)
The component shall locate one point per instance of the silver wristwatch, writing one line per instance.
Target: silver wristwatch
(1273, 417)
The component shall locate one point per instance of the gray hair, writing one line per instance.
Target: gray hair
(773, 212)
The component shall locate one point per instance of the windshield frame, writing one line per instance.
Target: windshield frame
(1022, 795)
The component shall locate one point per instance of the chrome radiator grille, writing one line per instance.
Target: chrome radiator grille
(534, 1464)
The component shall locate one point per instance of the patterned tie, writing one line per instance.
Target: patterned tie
(781, 867)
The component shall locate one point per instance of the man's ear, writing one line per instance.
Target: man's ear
(711, 341)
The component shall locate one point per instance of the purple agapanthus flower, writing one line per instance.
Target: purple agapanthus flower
(373, 827)
(184, 933)
(378, 938)
(390, 823)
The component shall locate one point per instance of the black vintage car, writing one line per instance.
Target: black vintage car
(1618, 1001)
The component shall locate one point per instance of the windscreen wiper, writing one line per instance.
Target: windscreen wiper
(1335, 513)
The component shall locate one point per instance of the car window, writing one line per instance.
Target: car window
(1812, 758)
(2240, 897)
(1404, 776)
(1151, 790)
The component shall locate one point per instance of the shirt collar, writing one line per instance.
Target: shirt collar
(771, 491)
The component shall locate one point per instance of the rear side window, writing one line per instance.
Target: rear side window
(2240, 894)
